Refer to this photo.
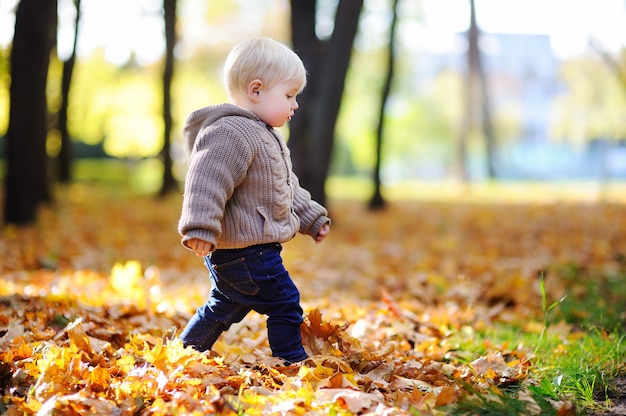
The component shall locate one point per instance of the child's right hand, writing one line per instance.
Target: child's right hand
(201, 247)
(322, 233)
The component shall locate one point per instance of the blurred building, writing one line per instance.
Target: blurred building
(523, 79)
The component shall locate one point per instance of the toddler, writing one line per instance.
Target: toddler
(242, 200)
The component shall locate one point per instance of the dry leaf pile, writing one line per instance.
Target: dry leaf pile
(92, 298)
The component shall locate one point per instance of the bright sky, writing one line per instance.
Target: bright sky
(568, 22)
(122, 26)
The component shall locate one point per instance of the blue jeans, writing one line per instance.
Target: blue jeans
(252, 278)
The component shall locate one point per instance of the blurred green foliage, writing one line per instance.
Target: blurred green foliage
(120, 106)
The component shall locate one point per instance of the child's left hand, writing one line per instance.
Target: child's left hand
(201, 247)
(322, 233)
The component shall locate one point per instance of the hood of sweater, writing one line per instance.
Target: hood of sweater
(206, 116)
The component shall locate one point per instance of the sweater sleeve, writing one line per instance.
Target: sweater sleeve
(218, 163)
(312, 215)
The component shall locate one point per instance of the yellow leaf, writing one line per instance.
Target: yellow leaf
(490, 374)
(125, 276)
(126, 281)
(125, 363)
(156, 355)
(99, 379)
(78, 337)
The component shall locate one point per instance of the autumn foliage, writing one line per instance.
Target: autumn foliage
(93, 297)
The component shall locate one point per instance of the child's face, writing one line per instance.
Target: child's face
(277, 105)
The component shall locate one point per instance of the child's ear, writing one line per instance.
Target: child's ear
(254, 90)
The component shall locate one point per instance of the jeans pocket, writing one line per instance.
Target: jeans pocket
(237, 275)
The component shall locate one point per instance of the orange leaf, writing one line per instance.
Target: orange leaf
(446, 396)
(317, 326)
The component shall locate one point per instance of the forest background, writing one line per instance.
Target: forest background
(117, 86)
(464, 295)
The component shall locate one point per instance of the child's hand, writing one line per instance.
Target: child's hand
(322, 233)
(201, 247)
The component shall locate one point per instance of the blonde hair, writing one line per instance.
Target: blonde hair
(264, 59)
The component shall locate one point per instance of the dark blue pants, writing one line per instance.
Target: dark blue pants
(252, 278)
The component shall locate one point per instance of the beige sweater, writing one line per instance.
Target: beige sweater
(240, 189)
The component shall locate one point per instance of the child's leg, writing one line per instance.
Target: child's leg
(283, 310)
(201, 332)
(255, 277)
(285, 338)
(211, 319)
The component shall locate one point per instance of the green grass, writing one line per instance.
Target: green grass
(580, 371)
(360, 188)
(584, 371)
(596, 306)
(595, 300)
(579, 366)
(507, 403)
(141, 176)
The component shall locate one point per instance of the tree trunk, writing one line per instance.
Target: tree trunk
(65, 157)
(378, 202)
(477, 108)
(26, 181)
(483, 99)
(169, 182)
(313, 127)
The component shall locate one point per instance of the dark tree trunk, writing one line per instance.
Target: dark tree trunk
(65, 157)
(169, 182)
(313, 127)
(378, 202)
(26, 181)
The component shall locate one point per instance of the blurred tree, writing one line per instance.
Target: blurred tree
(313, 127)
(591, 105)
(377, 201)
(590, 108)
(477, 108)
(64, 159)
(169, 182)
(26, 181)
(124, 106)
(616, 64)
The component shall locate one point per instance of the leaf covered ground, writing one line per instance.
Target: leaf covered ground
(92, 299)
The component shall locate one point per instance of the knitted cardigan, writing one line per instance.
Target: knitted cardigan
(240, 189)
